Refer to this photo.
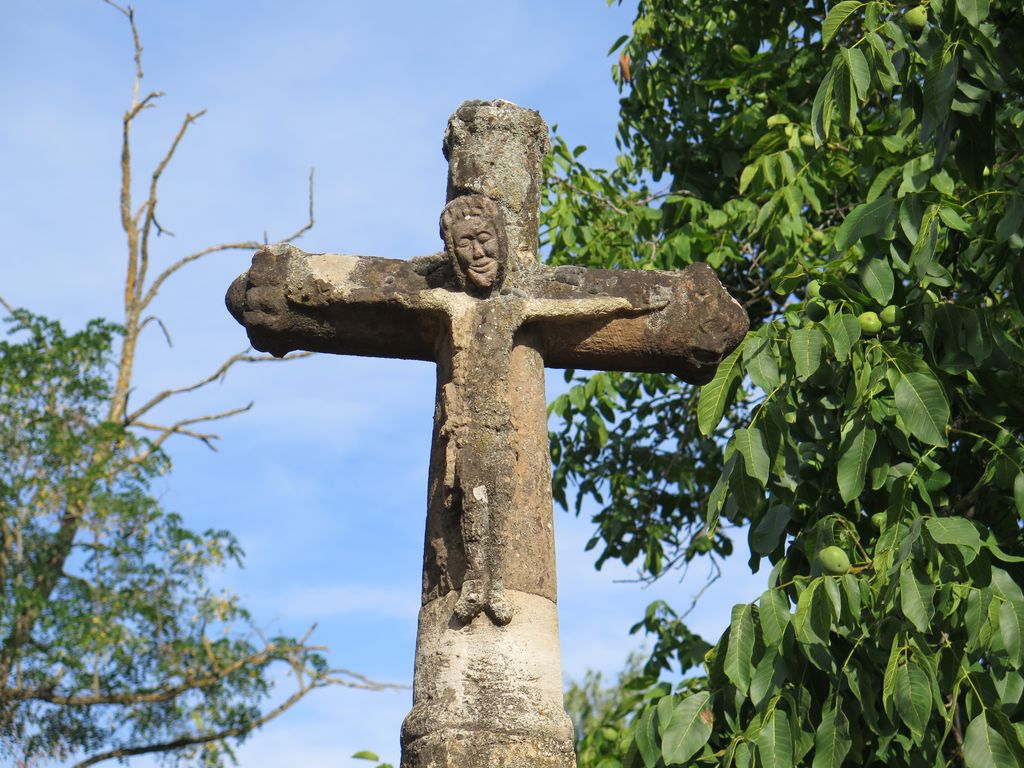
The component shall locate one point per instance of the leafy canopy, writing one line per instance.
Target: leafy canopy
(112, 632)
(854, 173)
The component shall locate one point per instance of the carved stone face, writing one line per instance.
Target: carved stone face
(473, 230)
(477, 250)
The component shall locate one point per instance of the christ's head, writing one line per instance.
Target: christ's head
(474, 237)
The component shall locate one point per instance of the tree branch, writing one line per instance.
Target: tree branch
(292, 652)
(178, 428)
(238, 357)
(198, 739)
(154, 288)
(150, 205)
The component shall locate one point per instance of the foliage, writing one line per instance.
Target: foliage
(364, 754)
(112, 633)
(601, 714)
(113, 643)
(830, 163)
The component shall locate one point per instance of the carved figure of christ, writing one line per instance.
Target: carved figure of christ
(487, 686)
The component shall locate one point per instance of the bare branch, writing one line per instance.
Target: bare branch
(160, 229)
(238, 357)
(5, 305)
(289, 653)
(179, 428)
(150, 205)
(339, 676)
(154, 318)
(309, 224)
(361, 681)
(191, 741)
(126, 11)
(247, 245)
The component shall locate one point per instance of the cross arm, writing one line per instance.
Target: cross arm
(327, 302)
(651, 321)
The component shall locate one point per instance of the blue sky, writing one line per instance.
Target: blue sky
(324, 481)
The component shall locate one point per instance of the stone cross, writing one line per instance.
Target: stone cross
(487, 687)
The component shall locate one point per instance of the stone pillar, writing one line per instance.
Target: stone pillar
(489, 696)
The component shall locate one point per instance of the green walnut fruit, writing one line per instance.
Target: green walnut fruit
(817, 236)
(806, 139)
(813, 289)
(890, 315)
(831, 291)
(878, 519)
(815, 310)
(834, 561)
(915, 18)
(870, 323)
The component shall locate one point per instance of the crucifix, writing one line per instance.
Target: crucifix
(487, 687)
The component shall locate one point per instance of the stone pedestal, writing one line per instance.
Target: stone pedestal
(487, 696)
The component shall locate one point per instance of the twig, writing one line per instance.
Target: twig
(242, 245)
(189, 741)
(152, 318)
(150, 205)
(238, 357)
(178, 428)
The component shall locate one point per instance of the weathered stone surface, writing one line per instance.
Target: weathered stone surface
(616, 320)
(495, 149)
(488, 685)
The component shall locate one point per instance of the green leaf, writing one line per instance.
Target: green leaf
(832, 739)
(716, 394)
(844, 330)
(836, 18)
(1018, 493)
(957, 531)
(616, 44)
(859, 70)
(716, 499)
(984, 747)
(940, 84)
(1011, 630)
(877, 278)
(766, 536)
(922, 406)
(889, 677)
(821, 109)
(364, 754)
(747, 176)
(689, 729)
(813, 617)
(775, 740)
(805, 345)
(866, 219)
(647, 738)
(1009, 225)
(753, 447)
(923, 252)
(913, 698)
(856, 443)
(740, 649)
(760, 364)
(882, 180)
(774, 615)
(975, 11)
(976, 618)
(916, 597)
(666, 705)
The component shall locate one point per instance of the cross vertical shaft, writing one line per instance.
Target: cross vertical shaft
(486, 694)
